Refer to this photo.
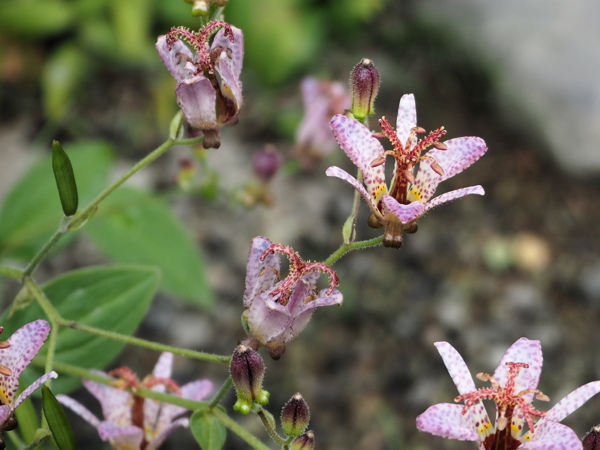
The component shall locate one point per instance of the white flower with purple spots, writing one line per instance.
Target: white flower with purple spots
(514, 387)
(410, 195)
(123, 410)
(15, 356)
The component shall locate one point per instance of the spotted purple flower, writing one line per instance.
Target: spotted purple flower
(416, 175)
(277, 310)
(514, 386)
(132, 422)
(209, 90)
(22, 347)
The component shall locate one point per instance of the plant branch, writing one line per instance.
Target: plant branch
(346, 248)
(244, 434)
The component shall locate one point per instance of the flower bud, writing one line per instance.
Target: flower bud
(247, 372)
(591, 441)
(266, 163)
(295, 416)
(200, 8)
(65, 179)
(364, 84)
(304, 442)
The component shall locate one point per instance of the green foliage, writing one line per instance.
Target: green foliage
(114, 298)
(28, 420)
(31, 210)
(133, 227)
(57, 421)
(209, 432)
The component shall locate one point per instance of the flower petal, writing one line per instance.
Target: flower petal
(230, 86)
(259, 280)
(405, 213)
(31, 388)
(236, 48)
(79, 409)
(334, 171)
(457, 368)
(164, 433)
(551, 435)
(453, 195)
(523, 351)
(5, 413)
(446, 420)
(407, 118)
(571, 402)
(116, 404)
(162, 369)
(362, 148)
(197, 99)
(121, 437)
(175, 59)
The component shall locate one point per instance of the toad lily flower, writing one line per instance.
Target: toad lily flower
(132, 422)
(15, 356)
(409, 196)
(514, 386)
(277, 310)
(209, 91)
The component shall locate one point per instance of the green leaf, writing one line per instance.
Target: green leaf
(113, 298)
(209, 432)
(27, 418)
(133, 227)
(31, 211)
(35, 19)
(57, 421)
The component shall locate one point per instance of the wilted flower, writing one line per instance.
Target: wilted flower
(322, 99)
(209, 91)
(134, 422)
(514, 386)
(409, 196)
(15, 356)
(277, 310)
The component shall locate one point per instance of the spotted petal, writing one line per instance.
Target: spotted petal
(572, 401)
(197, 99)
(235, 48)
(116, 404)
(405, 213)
(334, 171)
(522, 351)
(164, 433)
(175, 59)
(79, 409)
(362, 148)
(551, 435)
(461, 153)
(407, 118)
(121, 437)
(260, 277)
(448, 421)
(453, 195)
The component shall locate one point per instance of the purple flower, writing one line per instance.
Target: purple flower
(133, 422)
(277, 310)
(410, 195)
(209, 90)
(322, 99)
(514, 386)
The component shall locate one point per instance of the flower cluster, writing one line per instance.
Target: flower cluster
(410, 195)
(276, 309)
(134, 422)
(514, 387)
(209, 91)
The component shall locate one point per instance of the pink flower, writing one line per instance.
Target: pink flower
(209, 90)
(122, 410)
(416, 175)
(15, 356)
(277, 310)
(514, 386)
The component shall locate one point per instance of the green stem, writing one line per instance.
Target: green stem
(11, 272)
(270, 430)
(355, 206)
(222, 391)
(346, 248)
(244, 434)
(62, 230)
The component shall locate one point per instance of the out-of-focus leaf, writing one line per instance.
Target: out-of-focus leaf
(209, 432)
(57, 421)
(35, 19)
(133, 227)
(61, 78)
(113, 298)
(31, 211)
(131, 24)
(28, 420)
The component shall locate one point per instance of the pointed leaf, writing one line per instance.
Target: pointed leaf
(57, 421)
(133, 227)
(114, 298)
(209, 432)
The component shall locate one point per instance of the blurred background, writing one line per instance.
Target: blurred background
(479, 273)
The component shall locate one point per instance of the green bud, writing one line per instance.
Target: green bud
(304, 442)
(295, 416)
(364, 85)
(247, 371)
(65, 179)
(200, 8)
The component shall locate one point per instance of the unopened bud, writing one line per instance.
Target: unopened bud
(364, 84)
(304, 442)
(591, 441)
(247, 372)
(65, 179)
(266, 163)
(295, 416)
(200, 8)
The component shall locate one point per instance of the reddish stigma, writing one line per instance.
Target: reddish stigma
(298, 269)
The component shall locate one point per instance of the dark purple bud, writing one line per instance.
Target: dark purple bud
(295, 416)
(304, 442)
(266, 163)
(591, 441)
(364, 85)
(247, 372)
